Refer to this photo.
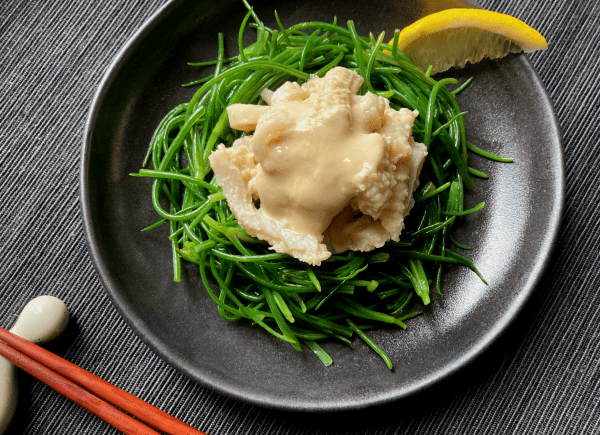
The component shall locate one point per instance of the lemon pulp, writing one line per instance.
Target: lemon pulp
(454, 37)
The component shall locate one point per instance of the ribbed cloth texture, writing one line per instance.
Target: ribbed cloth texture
(543, 377)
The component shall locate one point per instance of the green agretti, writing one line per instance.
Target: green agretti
(349, 293)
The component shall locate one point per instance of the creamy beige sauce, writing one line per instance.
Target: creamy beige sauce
(331, 170)
(307, 172)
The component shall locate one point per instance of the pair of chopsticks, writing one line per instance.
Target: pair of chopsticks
(89, 391)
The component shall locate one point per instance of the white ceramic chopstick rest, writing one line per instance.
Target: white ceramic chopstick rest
(42, 319)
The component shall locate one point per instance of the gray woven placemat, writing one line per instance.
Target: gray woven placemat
(543, 377)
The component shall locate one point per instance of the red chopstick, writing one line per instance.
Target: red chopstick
(89, 391)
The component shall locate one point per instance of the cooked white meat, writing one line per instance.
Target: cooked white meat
(304, 247)
(356, 232)
(244, 117)
(266, 95)
(241, 155)
(332, 170)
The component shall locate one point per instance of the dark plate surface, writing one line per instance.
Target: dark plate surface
(509, 113)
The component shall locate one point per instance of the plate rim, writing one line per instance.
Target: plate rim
(544, 256)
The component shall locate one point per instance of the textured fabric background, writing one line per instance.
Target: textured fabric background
(543, 377)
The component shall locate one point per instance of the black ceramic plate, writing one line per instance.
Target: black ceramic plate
(509, 113)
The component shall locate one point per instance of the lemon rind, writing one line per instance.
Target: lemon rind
(510, 27)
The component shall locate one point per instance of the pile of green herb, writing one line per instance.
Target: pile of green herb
(350, 293)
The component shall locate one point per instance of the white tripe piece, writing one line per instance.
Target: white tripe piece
(365, 233)
(232, 167)
(382, 194)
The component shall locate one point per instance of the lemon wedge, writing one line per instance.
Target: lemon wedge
(454, 37)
